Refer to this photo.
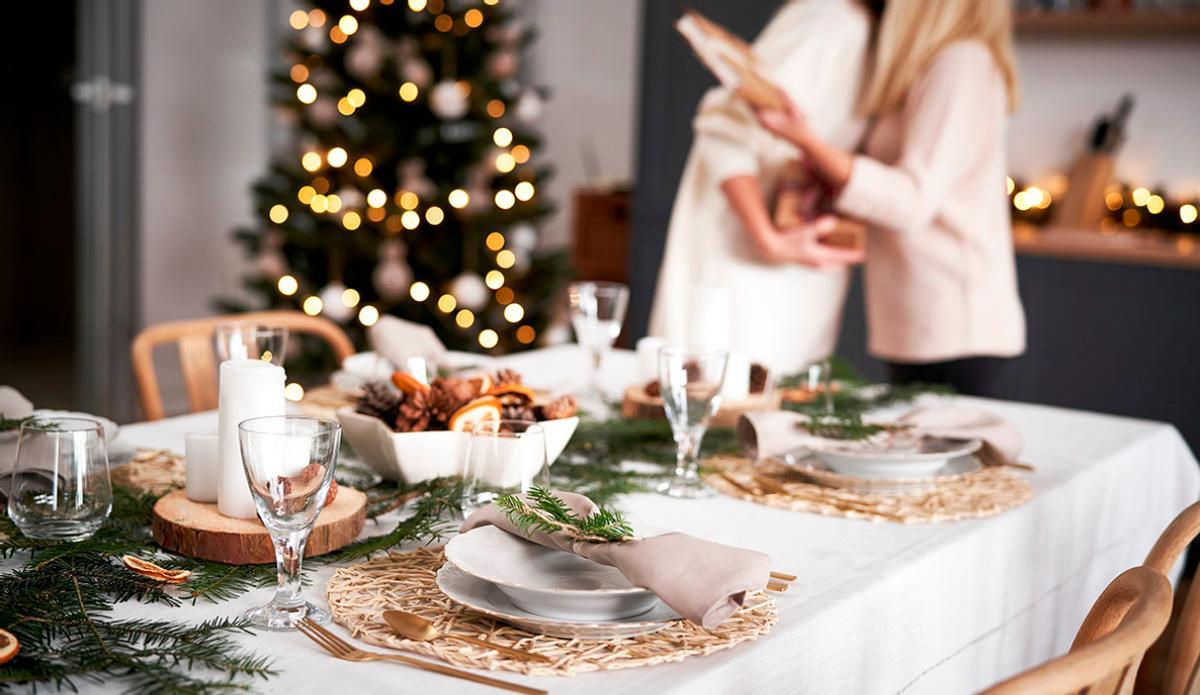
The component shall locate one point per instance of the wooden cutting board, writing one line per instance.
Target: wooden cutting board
(197, 529)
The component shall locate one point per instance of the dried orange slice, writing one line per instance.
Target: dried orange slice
(9, 646)
(148, 569)
(407, 383)
(483, 379)
(513, 390)
(478, 410)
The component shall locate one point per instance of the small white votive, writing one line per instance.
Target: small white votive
(203, 466)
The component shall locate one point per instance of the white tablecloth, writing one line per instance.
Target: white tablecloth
(878, 607)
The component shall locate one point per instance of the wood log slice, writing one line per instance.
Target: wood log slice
(637, 405)
(197, 529)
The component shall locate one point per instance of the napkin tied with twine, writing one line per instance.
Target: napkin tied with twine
(704, 582)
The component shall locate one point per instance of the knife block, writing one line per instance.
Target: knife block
(1083, 205)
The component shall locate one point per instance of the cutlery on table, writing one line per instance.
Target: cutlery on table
(342, 649)
(414, 627)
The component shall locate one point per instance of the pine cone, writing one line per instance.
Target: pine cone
(448, 395)
(517, 410)
(653, 389)
(379, 400)
(506, 376)
(563, 406)
(413, 414)
(758, 378)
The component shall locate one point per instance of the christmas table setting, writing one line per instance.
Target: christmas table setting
(846, 601)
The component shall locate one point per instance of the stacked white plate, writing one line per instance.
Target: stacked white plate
(546, 591)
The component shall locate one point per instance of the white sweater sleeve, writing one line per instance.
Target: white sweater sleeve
(814, 50)
(949, 112)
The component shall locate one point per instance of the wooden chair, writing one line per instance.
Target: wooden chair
(1181, 647)
(197, 357)
(1126, 619)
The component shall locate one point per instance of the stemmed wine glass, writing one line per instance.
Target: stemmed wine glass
(597, 312)
(690, 380)
(289, 463)
(240, 341)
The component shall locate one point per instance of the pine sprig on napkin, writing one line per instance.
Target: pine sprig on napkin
(846, 426)
(547, 513)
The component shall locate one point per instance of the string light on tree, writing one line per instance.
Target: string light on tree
(381, 96)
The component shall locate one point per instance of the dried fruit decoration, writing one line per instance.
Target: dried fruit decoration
(148, 569)
(9, 646)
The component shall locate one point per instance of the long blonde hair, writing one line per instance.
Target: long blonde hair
(911, 32)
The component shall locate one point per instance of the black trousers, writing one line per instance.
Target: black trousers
(971, 376)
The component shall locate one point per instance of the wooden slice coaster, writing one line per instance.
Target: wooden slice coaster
(639, 406)
(197, 529)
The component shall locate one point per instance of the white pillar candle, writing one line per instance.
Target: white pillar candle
(202, 464)
(736, 386)
(248, 389)
(647, 352)
(709, 317)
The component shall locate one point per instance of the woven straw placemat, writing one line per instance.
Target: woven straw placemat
(156, 471)
(984, 492)
(358, 595)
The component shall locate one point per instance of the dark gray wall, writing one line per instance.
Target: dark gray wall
(1117, 339)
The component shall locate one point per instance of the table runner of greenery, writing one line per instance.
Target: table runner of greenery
(59, 603)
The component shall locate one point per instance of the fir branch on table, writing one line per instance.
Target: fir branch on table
(434, 501)
(546, 512)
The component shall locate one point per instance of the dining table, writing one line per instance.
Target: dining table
(877, 607)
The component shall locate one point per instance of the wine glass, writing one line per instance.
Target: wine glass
(60, 488)
(240, 341)
(690, 380)
(503, 457)
(289, 462)
(597, 312)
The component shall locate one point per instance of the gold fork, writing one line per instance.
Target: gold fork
(344, 650)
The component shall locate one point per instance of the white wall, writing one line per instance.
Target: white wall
(1068, 82)
(204, 140)
(587, 54)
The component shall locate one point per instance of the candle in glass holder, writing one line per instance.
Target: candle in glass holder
(202, 462)
(736, 386)
(248, 389)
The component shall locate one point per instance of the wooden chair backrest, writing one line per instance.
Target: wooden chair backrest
(197, 356)
(1179, 676)
(1123, 623)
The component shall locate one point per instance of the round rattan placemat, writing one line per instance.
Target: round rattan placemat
(984, 492)
(359, 594)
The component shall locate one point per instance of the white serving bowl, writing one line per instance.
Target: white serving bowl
(416, 456)
(547, 582)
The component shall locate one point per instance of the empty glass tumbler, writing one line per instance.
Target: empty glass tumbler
(60, 487)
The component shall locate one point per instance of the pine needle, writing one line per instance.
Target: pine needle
(545, 512)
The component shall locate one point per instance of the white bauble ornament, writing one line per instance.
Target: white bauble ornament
(522, 237)
(469, 290)
(502, 65)
(417, 71)
(365, 56)
(352, 198)
(270, 262)
(392, 275)
(412, 178)
(448, 101)
(529, 107)
(323, 112)
(334, 307)
(313, 38)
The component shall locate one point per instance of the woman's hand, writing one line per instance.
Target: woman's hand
(788, 123)
(802, 245)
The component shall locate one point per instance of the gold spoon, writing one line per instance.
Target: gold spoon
(415, 627)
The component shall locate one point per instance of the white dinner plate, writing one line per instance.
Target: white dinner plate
(548, 582)
(921, 459)
(817, 471)
(485, 597)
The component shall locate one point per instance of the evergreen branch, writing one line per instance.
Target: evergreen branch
(543, 511)
(434, 501)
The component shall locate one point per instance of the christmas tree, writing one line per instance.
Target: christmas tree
(410, 185)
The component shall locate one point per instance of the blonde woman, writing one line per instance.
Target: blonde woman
(941, 286)
(721, 234)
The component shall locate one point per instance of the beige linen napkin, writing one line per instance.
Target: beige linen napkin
(770, 433)
(398, 340)
(703, 581)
